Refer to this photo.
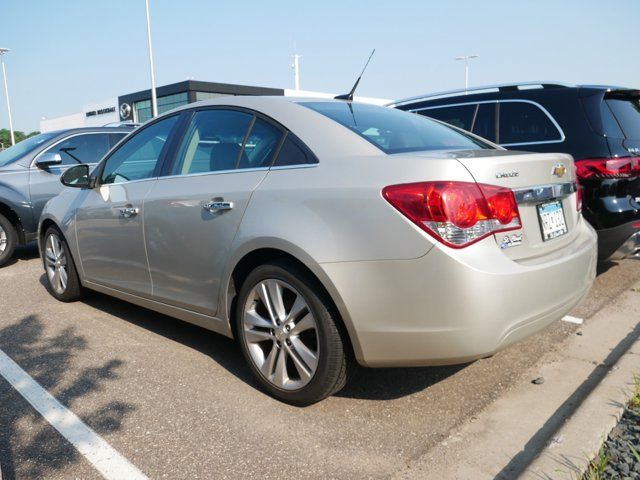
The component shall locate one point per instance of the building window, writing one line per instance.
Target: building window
(142, 111)
(208, 95)
(172, 101)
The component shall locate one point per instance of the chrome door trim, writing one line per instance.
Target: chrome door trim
(540, 193)
(514, 100)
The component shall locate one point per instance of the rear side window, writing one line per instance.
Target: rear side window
(627, 113)
(261, 145)
(292, 153)
(460, 116)
(522, 122)
(485, 122)
(393, 130)
(213, 142)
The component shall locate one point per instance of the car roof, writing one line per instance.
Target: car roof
(66, 131)
(505, 88)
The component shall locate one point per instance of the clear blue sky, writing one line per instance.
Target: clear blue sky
(69, 52)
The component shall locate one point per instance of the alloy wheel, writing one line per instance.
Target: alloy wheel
(281, 334)
(56, 264)
(3, 240)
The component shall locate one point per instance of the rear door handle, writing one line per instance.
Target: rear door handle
(129, 211)
(217, 206)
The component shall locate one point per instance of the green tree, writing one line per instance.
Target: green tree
(5, 136)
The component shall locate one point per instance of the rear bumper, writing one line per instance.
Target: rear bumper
(618, 242)
(455, 306)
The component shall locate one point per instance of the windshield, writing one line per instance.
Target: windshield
(15, 153)
(395, 131)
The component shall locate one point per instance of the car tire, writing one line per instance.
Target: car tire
(298, 354)
(62, 279)
(8, 240)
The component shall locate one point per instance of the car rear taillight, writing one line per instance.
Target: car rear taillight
(593, 168)
(456, 213)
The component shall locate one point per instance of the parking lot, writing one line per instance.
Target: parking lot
(179, 402)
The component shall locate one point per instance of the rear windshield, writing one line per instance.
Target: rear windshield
(15, 153)
(626, 110)
(395, 131)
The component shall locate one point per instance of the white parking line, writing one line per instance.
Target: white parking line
(99, 453)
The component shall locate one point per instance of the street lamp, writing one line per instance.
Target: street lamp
(6, 92)
(466, 59)
(154, 100)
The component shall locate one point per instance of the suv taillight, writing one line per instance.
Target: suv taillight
(623, 167)
(456, 213)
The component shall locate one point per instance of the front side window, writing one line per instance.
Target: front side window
(136, 158)
(522, 122)
(460, 116)
(85, 148)
(393, 130)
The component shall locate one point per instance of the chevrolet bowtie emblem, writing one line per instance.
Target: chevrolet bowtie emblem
(559, 170)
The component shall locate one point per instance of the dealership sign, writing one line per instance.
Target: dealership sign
(100, 111)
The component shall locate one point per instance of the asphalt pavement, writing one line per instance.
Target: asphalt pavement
(178, 401)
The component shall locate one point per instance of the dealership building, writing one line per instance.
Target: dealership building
(136, 107)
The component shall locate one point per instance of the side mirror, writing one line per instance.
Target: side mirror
(77, 177)
(49, 159)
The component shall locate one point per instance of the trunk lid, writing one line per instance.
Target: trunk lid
(544, 184)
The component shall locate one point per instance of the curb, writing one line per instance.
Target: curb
(551, 430)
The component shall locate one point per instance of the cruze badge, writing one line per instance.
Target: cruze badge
(559, 170)
(507, 174)
(511, 241)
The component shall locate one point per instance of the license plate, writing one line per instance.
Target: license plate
(552, 221)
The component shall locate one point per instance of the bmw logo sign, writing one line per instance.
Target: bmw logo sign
(125, 111)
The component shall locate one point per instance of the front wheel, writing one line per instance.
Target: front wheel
(8, 240)
(288, 333)
(62, 277)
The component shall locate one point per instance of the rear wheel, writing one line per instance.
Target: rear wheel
(62, 277)
(288, 333)
(8, 240)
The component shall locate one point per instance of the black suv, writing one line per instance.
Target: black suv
(598, 125)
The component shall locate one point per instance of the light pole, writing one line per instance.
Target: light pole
(466, 59)
(6, 92)
(154, 100)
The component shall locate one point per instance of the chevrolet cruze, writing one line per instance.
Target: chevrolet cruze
(322, 232)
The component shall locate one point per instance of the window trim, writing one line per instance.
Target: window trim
(63, 139)
(97, 173)
(497, 122)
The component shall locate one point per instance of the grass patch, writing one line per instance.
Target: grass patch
(634, 404)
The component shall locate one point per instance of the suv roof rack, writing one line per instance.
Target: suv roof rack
(502, 87)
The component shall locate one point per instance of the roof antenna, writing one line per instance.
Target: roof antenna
(349, 96)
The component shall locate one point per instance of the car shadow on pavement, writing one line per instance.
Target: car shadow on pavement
(24, 252)
(367, 383)
(29, 446)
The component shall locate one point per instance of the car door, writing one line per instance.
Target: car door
(193, 214)
(109, 217)
(88, 147)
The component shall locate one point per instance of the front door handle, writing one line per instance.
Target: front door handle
(129, 211)
(217, 206)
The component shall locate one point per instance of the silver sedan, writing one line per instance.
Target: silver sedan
(319, 233)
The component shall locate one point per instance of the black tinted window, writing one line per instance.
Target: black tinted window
(292, 153)
(136, 158)
(460, 116)
(84, 148)
(114, 138)
(485, 123)
(522, 122)
(213, 142)
(627, 113)
(394, 130)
